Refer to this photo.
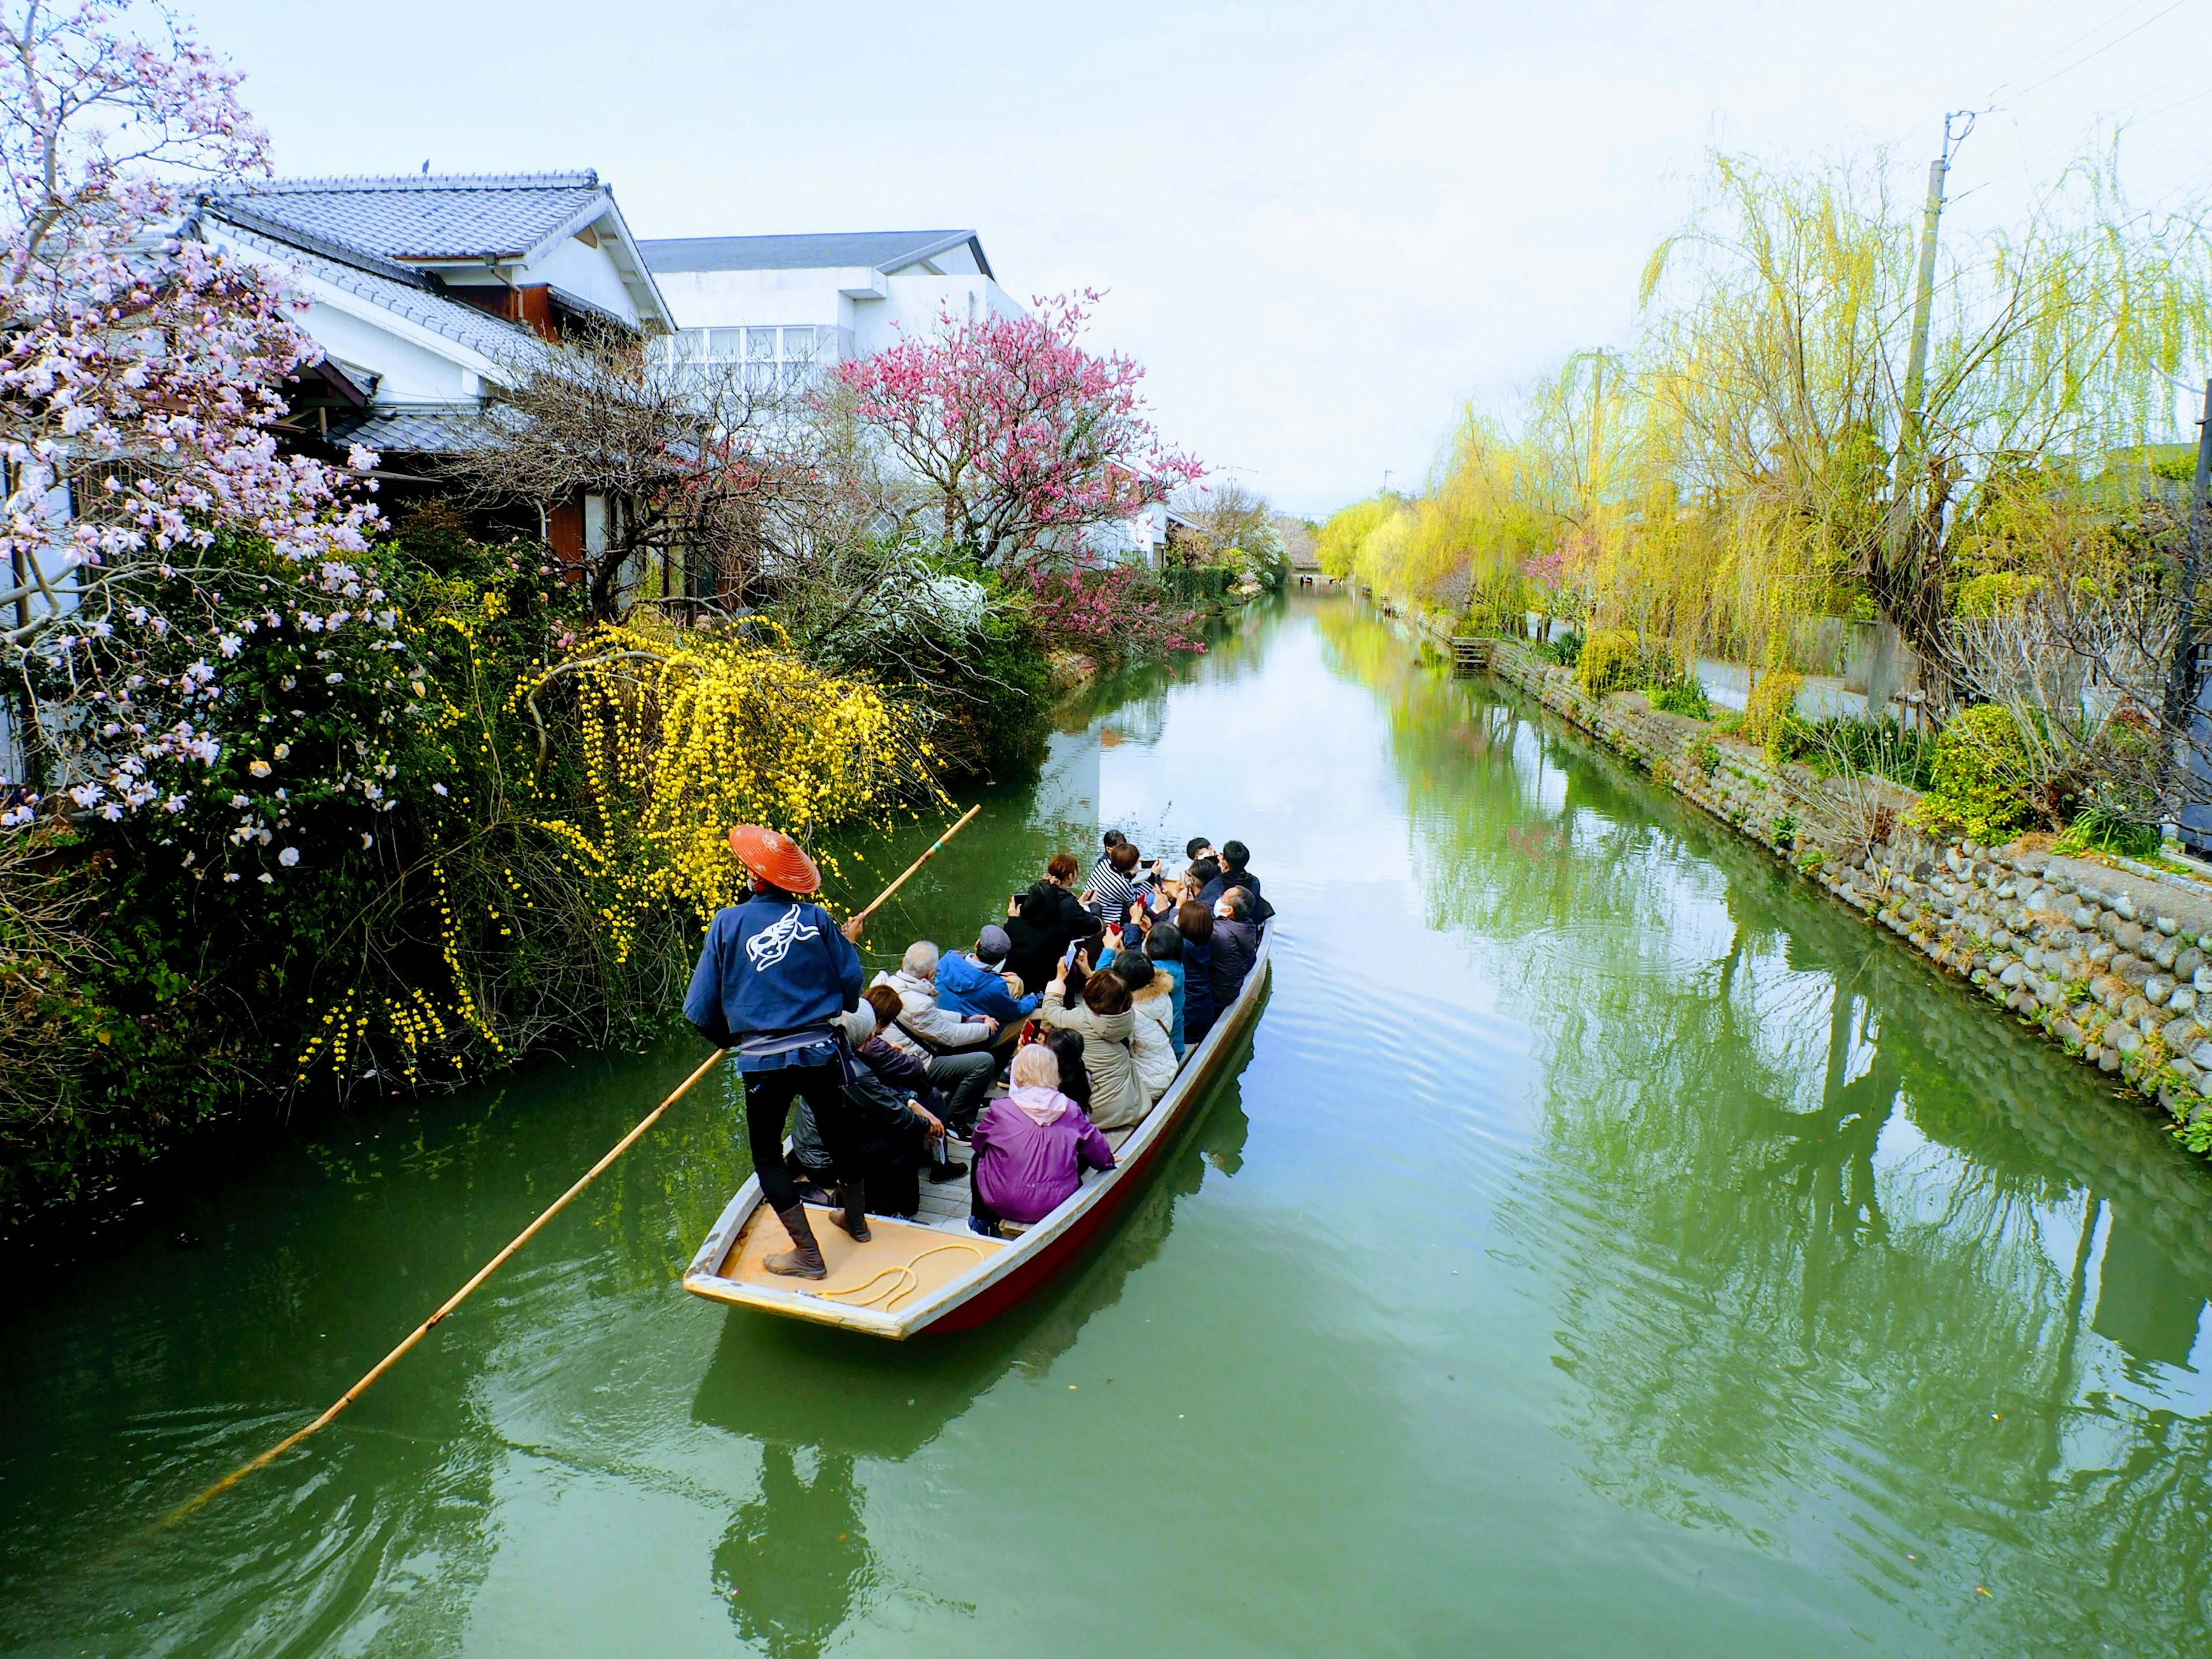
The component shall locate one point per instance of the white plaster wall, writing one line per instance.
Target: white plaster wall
(725, 299)
(918, 300)
(587, 272)
(410, 372)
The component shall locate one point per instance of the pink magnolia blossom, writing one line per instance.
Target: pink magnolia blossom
(138, 391)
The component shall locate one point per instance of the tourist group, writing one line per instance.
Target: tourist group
(954, 1054)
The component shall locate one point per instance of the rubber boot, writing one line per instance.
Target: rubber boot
(804, 1259)
(852, 1199)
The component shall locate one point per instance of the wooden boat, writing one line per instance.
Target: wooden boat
(931, 1274)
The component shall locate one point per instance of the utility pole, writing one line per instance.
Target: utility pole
(1923, 296)
(1882, 672)
(2181, 668)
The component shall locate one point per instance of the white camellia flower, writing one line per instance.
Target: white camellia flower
(259, 768)
(283, 749)
(289, 857)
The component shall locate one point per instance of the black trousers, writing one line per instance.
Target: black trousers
(965, 1077)
(769, 1095)
(890, 1162)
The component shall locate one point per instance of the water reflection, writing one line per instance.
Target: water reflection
(795, 1565)
(1838, 1266)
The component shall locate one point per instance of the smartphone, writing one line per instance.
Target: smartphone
(1068, 961)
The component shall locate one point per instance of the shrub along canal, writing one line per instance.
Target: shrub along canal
(1610, 1246)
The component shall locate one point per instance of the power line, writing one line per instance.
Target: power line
(2175, 6)
(2088, 32)
(2074, 146)
(2194, 97)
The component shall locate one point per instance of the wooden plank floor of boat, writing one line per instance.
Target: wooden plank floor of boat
(931, 1254)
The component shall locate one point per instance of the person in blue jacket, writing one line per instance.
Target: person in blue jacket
(971, 985)
(774, 975)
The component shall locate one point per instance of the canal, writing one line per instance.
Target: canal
(1609, 1246)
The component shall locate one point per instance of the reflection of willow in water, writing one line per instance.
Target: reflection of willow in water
(1764, 1314)
(795, 1565)
(1830, 1250)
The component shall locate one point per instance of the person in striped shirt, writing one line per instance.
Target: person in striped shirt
(1115, 883)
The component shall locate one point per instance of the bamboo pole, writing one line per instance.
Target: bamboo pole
(520, 1238)
(918, 863)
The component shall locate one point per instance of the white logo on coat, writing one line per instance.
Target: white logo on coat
(773, 944)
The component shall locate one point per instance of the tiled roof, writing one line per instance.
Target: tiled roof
(882, 250)
(492, 337)
(418, 429)
(425, 215)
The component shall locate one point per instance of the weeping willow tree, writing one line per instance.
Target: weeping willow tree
(1779, 333)
(1758, 458)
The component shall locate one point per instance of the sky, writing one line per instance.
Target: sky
(1325, 230)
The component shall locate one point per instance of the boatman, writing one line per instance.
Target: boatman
(775, 974)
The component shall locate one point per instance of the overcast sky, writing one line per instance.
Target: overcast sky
(1322, 228)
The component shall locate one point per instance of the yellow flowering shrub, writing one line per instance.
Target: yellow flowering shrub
(685, 735)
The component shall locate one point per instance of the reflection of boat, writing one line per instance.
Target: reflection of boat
(931, 1274)
(796, 1561)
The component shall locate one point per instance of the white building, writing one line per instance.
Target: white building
(788, 306)
(429, 291)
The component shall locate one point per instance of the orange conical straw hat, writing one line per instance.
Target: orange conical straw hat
(775, 858)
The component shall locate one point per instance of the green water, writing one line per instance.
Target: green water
(1609, 1247)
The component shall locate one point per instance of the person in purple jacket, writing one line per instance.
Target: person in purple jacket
(1031, 1147)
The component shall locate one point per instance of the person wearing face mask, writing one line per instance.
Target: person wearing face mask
(1235, 942)
(1235, 855)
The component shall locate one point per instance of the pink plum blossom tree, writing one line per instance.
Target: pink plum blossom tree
(1026, 439)
(139, 376)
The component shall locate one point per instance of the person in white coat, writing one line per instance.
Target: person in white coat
(1152, 1000)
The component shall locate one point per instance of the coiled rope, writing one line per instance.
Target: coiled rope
(913, 1279)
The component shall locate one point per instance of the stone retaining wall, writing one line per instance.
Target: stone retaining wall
(2115, 964)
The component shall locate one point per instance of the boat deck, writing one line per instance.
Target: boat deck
(869, 1275)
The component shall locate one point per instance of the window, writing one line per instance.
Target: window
(787, 356)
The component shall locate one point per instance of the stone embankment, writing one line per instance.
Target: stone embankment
(2113, 963)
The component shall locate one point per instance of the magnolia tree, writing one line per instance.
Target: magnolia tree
(137, 389)
(1027, 441)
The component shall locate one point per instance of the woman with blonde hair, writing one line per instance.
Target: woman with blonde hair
(1031, 1147)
